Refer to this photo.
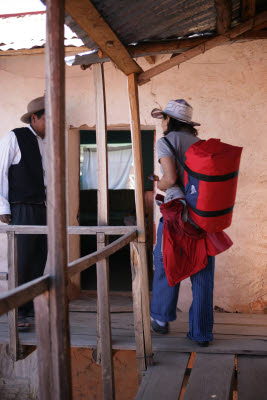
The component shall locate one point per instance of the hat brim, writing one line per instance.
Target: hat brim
(158, 113)
(26, 117)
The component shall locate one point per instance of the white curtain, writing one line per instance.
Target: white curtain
(119, 165)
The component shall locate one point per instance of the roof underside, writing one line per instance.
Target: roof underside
(149, 20)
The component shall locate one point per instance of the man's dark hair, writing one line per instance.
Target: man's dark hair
(38, 115)
(175, 125)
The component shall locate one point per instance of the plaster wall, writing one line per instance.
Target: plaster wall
(227, 88)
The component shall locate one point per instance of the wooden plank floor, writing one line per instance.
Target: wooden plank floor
(233, 333)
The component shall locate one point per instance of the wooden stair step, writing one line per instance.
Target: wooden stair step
(252, 377)
(211, 377)
(164, 378)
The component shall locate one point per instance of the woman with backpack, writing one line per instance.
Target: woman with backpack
(186, 250)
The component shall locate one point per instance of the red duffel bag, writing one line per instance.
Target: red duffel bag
(210, 179)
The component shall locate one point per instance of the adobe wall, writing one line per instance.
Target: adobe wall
(227, 88)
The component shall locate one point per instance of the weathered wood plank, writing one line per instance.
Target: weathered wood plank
(248, 9)
(137, 309)
(72, 230)
(202, 48)
(41, 50)
(104, 349)
(252, 377)
(164, 379)
(74, 245)
(144, 312)
(12, 284)
(91, 21)
(85, 262)
(137, 156)
(23, 293)
(42, 321)
(211, 377)
(224, 15)
(56, 199)
(151, 59)
(118, 304)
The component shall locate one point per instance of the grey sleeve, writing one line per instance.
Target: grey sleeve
(163, 149)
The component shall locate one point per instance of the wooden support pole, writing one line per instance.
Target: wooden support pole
(12, 284)
(248, 9)
(42, 321)
(224, 15)
(143, 313)
(137, 309)
(104, 345)
(56, 200)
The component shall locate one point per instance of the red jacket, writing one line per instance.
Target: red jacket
(185, 248)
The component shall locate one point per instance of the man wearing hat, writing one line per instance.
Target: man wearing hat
(23, 194)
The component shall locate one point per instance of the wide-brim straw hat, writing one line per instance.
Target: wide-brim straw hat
(177, 109)
(33, 107)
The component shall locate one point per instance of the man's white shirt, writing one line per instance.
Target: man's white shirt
(10, 155)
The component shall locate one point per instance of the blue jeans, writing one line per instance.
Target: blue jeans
(164, 297)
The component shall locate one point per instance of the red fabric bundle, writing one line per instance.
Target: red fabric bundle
(210, 179)
(185, 248)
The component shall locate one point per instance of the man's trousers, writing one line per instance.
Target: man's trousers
(164, 297)
(32, 249)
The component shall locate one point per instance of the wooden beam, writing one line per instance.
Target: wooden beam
(87, 261)
(224, 15)
(248, 9)
(104, 345)
(23, 293)
(44, 350)
(142, 275)
(255, 35)
(72, 230)
(151, 59)
(12, 284)
(56, 199)
(144, 77)
(69, 50)
(94, 25)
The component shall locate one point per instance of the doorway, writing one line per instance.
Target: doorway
(121, 200)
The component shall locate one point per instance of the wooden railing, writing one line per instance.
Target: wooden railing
(38, 290)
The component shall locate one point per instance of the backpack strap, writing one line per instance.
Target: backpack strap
(175, 155)
(173, 151)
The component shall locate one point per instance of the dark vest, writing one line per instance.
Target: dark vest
(26, 179)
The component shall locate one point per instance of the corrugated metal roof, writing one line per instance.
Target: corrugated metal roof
(28, 31)
(142, 20)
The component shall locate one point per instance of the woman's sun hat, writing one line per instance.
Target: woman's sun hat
(33, 107)
(177, 109)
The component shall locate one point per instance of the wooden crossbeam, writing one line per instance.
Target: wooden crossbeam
(94, 25)
(72, 230)
(248, 9)
(69, 50)
(144, 77)
(85, 262)
(23, 293)
(224, 15)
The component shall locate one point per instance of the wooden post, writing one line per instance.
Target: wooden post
(42, 321)
(144, 312)
(73, 162)
(56, 201)
(104, 350)
(12, 283)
